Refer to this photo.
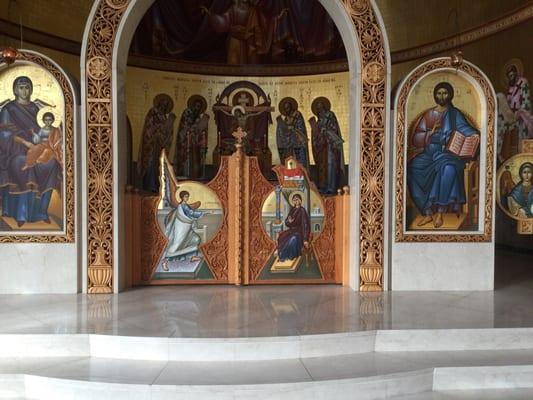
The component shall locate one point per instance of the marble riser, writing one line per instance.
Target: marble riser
(371, 388)
(266, 348)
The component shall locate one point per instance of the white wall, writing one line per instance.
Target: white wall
(38, 268)
(443, 266)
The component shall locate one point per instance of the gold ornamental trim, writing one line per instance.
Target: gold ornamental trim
(372, 142)
(443, 64)
(99, 127)
(68, 236)
(99, 146)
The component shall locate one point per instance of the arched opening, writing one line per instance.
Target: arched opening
(104, 66)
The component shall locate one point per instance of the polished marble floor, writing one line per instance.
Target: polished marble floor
(226, 311)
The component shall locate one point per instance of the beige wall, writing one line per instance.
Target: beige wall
(489, 54)
(409, 23)
(70, 63)
(63, 18)
(412, 23)
(143, 84)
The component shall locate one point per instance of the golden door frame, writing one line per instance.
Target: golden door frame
(98, 62)
(28, 57)
(445, 64)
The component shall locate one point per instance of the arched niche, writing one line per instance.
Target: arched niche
(459, 257)
(107, 37)
(56, 249)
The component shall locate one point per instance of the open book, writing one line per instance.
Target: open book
(463, 146)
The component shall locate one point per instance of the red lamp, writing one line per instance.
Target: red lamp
(8, 55)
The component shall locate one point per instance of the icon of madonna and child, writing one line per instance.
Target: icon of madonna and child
(31, 166)
(189, 215)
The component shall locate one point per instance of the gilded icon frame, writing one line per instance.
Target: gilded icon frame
(67, 235)
(486, 204)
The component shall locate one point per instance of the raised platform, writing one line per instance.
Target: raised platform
(283, 342)
(362, 365)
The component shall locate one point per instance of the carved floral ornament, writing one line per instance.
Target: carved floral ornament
(99, 130)
(401, 131)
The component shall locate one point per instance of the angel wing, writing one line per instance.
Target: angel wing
(3, 103)
(41, 104)
(171, 183)
(506, 183)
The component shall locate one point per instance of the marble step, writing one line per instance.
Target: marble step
(263, 348)
(371, 376)
(481, 394)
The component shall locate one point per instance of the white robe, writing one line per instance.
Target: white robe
(182, 240)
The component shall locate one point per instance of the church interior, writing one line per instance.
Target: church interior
(268, 199)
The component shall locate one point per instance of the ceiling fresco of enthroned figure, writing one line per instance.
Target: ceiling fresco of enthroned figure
(254, 31)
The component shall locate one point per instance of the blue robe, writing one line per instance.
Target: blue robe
(25, 194)
(435, 177)
(291, 138)
(328, 152)
(525, 201)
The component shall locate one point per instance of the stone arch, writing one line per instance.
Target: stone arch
(108, 32)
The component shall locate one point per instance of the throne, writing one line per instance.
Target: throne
(469, 215)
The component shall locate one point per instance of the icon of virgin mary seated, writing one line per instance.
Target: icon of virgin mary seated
(293, 242)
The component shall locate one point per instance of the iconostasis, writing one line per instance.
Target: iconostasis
(179, 92)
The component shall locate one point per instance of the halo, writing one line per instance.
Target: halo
(281, 105)
(236, 96)
(323, 100)
(196, 97)
(519, 67)
(163, 96)
(297, 192)
(45, 110)
(240, 108)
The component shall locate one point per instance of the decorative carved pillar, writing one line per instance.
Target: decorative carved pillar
(237, 183)
(372, 142)
(100, 274)
(99, 150)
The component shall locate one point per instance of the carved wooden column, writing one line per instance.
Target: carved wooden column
(99, 150)
(236, 216)
(372, 142)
